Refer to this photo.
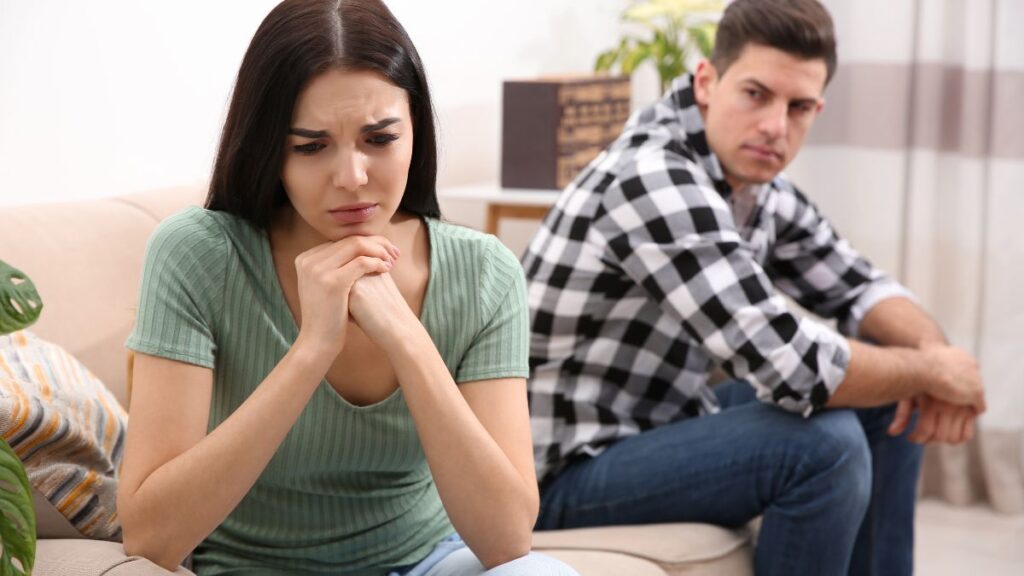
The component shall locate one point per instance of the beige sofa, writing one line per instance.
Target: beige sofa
(86, 257)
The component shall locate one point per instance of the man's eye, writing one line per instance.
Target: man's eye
(311, 148)
(754, 94)
(382, 139)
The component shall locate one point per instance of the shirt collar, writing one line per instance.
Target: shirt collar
(681, 98)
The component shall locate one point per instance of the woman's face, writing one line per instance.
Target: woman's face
(347, 154)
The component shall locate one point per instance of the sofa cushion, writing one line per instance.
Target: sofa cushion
(66, 427)
(85, 258)
(93, 558)
(678, 548)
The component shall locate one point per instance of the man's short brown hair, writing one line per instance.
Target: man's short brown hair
(802, 28)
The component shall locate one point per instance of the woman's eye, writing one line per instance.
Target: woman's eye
(382, 139)
(311, 148)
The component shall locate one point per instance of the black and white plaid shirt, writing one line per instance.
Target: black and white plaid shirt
(649, 272)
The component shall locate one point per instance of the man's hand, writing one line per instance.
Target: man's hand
(953, 376)
(937, 421)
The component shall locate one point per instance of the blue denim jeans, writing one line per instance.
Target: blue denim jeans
(836, 492)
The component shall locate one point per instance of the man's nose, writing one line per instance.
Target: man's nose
(349, 169)
(775, 122)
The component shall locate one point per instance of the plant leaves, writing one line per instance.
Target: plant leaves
(648, 11)
(677, 28)
(635, 57)
(20, 304)
(17, 517)
(703, 37)
(605, 60)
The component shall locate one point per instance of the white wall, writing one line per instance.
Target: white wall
(108, 97)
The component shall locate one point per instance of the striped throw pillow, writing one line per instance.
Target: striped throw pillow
(66, 427)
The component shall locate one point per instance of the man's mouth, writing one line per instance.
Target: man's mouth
(764, 152)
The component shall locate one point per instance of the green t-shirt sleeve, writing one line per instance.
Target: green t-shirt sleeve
(182, 282)
(501, 346)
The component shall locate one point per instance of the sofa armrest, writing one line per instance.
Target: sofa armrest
(81, 557)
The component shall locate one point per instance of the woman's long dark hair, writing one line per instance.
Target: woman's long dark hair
(298, 40)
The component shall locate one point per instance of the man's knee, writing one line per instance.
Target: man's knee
(840, 449)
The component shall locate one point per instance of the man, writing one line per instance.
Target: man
(665, 259)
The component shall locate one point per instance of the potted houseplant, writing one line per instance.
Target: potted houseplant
(678, 30)
(20, 306)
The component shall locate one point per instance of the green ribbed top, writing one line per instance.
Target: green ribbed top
(349, 490)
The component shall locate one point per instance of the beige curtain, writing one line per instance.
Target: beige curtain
(919, 160)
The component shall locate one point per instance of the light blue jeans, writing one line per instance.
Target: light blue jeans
(451, 557)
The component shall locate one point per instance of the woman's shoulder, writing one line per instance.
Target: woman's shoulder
(468, 242)
(197, 227)
(197, 234)
(480, 258)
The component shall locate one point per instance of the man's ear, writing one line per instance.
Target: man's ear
(704, 81)
(821, 106)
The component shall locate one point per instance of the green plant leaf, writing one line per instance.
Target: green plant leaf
(676, 27)
(703, 37)
(17, 517)
(635, 57)
(605, 60)
(20, 304)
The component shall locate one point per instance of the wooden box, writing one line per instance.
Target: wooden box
(553, 127)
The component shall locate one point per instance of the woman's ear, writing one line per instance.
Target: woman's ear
(705, 80)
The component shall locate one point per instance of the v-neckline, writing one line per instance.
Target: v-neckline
(292, 325)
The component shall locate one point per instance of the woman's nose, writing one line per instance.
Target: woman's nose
(350, 170)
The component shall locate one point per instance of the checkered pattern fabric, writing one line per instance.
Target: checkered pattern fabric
(641, 282)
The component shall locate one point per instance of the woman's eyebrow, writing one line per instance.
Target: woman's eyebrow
(307, 133)
(378, 125)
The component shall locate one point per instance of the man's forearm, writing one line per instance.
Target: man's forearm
(892, 370)
(877, 376)
(900, 322)
(913, 364)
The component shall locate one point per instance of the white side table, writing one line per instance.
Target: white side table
(504, 202)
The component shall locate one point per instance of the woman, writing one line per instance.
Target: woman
(329, 380)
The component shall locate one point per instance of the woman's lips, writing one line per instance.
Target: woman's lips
(354, 214)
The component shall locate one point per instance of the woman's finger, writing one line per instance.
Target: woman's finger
(358, 267)
(333, 255)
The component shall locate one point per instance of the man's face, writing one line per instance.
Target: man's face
(757, 114)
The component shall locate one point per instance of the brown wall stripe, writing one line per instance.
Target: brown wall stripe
(867, 105)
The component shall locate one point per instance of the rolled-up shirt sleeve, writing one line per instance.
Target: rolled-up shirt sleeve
(820, 270)
(675, 237)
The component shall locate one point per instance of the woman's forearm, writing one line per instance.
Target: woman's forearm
(489, 501)
(184, 500)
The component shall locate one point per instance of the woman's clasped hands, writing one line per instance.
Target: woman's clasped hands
(349, 280)
(336, 281)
